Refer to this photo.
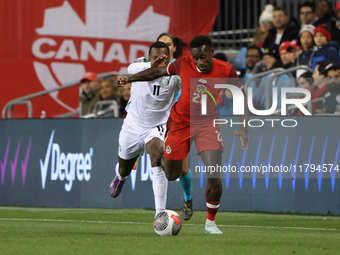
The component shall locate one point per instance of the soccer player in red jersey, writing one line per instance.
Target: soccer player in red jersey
(187, 123)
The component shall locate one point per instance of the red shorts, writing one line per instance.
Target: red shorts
(180, 137)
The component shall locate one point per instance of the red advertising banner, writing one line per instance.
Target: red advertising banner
(48, 43)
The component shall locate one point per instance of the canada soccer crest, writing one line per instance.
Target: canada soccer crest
(50, 43)
(95, 41)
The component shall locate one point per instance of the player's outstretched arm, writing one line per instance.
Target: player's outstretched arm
(122, 80)
(157, 70)
(243, 133)
(146, 75)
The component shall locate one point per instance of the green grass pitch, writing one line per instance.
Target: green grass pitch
(129, 231)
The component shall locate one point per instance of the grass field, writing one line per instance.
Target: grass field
(129, 231)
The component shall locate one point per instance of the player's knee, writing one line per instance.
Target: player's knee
(172, 175)
(185, 169)
(214, 182)
(156, 159)
(155, 162)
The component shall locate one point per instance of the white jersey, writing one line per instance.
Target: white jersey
(151, 101)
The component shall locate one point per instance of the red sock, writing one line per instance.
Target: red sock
(212, 208)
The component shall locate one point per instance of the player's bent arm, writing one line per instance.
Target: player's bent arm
(149, 74)
(138, 67)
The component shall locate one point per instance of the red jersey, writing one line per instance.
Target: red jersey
(195, 83)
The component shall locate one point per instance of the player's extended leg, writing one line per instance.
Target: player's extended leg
(123, 170)
(125, 167)
(185, 179)
(155, 149)
(129, 149)
(214, 189)
(177, 146)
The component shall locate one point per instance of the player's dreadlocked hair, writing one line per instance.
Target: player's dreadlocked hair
(158, 45)
(178, 42)
(200, 40)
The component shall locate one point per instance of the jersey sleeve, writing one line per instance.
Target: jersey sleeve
(175, 67)
(179, 81)
(138, 67)
(234, 79)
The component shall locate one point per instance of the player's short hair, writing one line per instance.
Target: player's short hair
(159, 45)
(200, 40)
(308, 4)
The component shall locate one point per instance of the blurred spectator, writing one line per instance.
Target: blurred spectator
(265, 22)
(221, 56)
(336, 32)
(286, 54)
(253, 56)
(307, 14)
(327, 49)
(271, 60)
(319, 78)
(239, 62)
(126, 94)
(271, 57)
(108, 92)
(306, 81)
(285, 28)
(295, 50)
(323, 7)
(90, 86)
(337, 10)
(331, 103)
(307, 44)
(326, 16)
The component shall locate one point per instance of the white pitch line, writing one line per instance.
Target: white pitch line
(145, 223)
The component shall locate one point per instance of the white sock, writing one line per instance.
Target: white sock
(117, 173)
(207, 222)
(160, 188)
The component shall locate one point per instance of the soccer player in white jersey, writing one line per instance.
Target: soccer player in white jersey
(176, 47)
(145, 124)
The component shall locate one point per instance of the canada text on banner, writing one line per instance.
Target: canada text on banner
(46, 44)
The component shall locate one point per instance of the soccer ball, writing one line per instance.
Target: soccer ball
(167, 223)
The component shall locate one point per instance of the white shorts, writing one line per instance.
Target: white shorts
(132, 139)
